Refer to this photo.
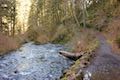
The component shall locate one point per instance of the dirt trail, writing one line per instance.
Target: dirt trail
(106, 64)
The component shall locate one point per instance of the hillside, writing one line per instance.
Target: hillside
(83, 32)
(103, 17)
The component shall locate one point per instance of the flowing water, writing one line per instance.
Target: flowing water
(34, 62)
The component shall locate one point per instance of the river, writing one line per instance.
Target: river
(34, 62)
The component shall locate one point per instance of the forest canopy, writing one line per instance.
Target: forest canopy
(53, 20)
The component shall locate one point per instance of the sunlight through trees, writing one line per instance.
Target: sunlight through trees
(23, 9)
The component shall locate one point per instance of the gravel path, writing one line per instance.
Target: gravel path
(106, 65)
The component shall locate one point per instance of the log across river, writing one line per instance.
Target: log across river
(43, 62)
(105, 65)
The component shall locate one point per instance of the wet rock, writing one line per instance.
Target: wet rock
(34, 62)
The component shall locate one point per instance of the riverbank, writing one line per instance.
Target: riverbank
(105, 63)
(75, 72)
(84, 42)
(8, 44)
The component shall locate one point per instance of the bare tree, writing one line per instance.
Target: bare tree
(84, 12)
(74, 12)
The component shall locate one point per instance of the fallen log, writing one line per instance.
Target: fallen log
(73, 56)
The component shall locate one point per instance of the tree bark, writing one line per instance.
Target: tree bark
(73, 56)
(84, 13)
(74, 13)
(0, 24)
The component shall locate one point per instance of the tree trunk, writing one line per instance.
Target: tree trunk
(0, 24)
(73, 56)
(74, 13)
(84, 13)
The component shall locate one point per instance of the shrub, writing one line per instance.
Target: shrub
(42, 39)
(7, 44)
(112, 31)
(55, 34)
(84, 41)
(63, 34)
(39, 35)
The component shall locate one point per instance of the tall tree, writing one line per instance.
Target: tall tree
(7, 16)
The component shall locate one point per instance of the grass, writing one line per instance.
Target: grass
(105, 17)
(59, 34)
(86, 43)
(7, 44)
(106, 22)
(83, 41)
(112, 33)
(63, 34)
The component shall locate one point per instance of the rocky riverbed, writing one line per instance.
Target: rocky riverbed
(34, 62)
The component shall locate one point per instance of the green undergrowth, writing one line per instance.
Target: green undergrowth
(81, 63)
(101, 13)
(60, 34)
(99, 16)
